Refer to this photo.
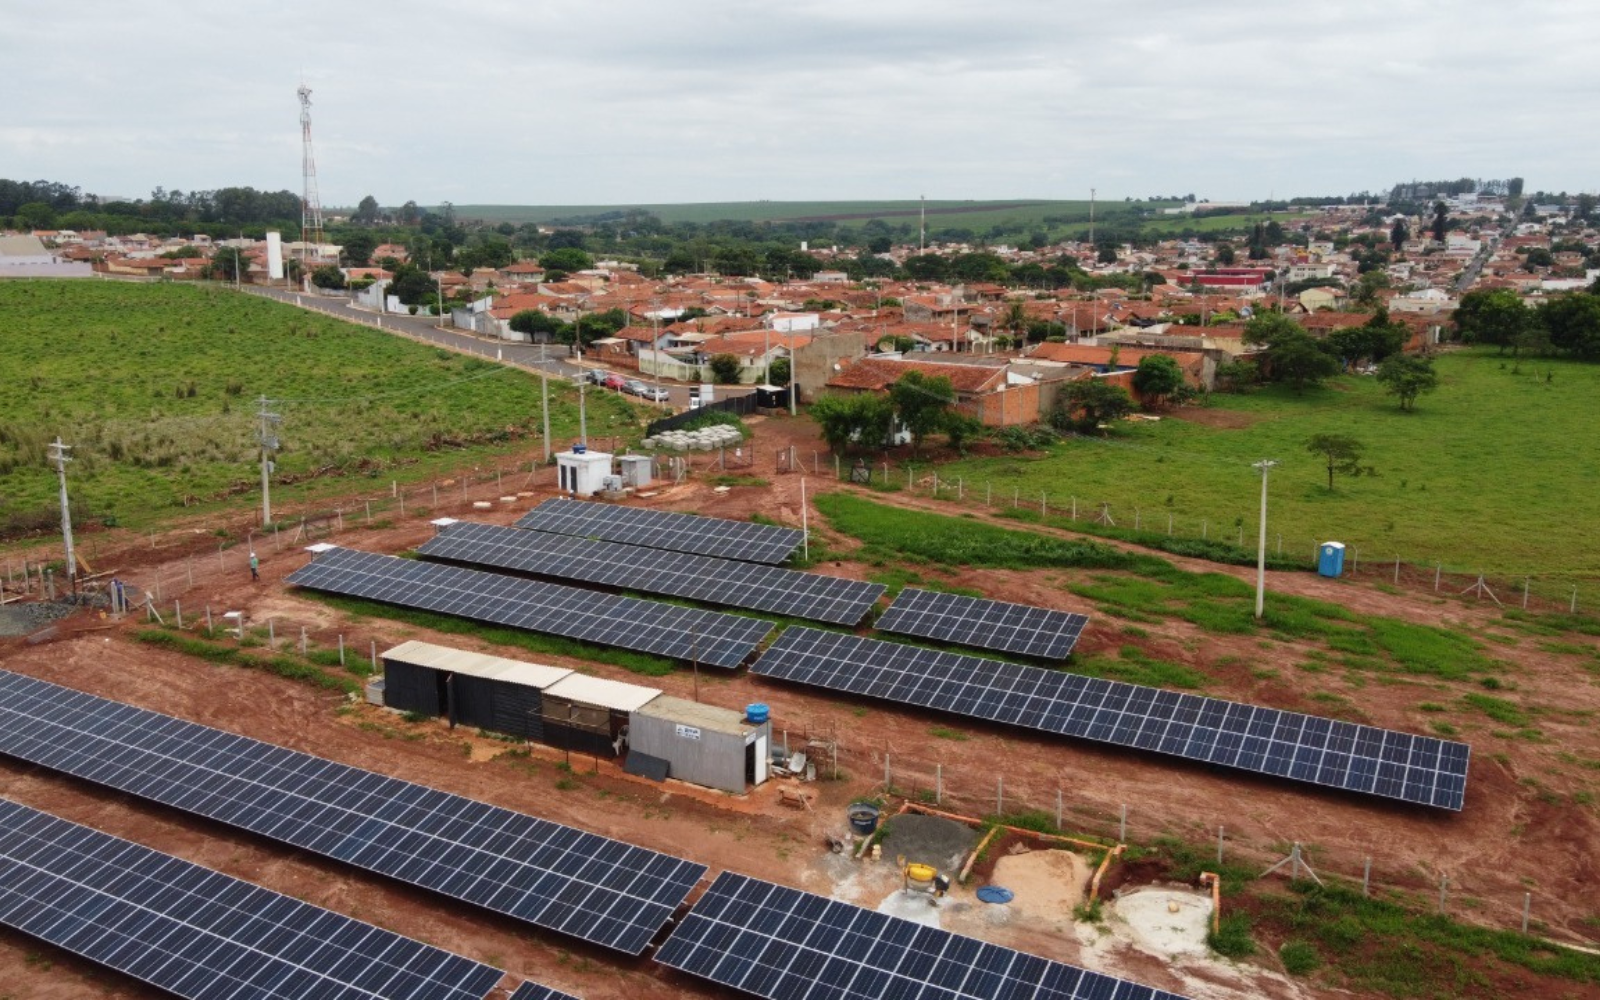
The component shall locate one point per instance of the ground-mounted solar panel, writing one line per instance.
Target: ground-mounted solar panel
(1330, 752)
(657, 571)
(549, 875)
(665, 529)
(713, 638)
(776, 942)
(199, 933)
(976, 621)
(533, 991)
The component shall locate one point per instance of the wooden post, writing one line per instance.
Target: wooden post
(1438, 570)
(1219, 845)
(999, 795)
(1527, 906)
(1058, 810)
(177, 611)
(938, 784)
(1366, 877)
(341, 649)
(374, 656)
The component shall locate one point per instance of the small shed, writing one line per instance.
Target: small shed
(472, 689)
(702, 744)
(590, 714)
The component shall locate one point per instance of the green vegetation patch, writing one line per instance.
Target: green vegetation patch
(284, 665)
(1133, 665)
(156, 385)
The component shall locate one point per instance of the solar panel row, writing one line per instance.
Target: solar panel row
(777, 942)
(665, 529)
(1307, 748)
(699, 578)
(546, 874)
(201, 934)
(974, 621)
(714, 638)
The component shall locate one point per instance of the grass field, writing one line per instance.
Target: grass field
(1169, 225)
(155, 387)
(1499, 470)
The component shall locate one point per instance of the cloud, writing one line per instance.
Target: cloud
(713, 100)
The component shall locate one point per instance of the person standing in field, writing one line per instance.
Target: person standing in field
(255, 567)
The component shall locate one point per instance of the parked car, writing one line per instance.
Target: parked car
(597, 376)
(645, 391)
(614, 381)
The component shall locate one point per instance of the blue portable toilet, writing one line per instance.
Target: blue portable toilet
(1330, 560)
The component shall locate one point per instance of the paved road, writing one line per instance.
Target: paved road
(552, 358)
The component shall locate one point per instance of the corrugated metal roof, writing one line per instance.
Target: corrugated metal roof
(693, 713)
(461, 661)
(602, 693)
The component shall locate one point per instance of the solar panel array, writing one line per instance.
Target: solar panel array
(533, 991)
(657, 571)
(1307, 748)
(552, 876)
(665, 529)
(201, 934)
(714, 638)
(777, 942)
(975, 621)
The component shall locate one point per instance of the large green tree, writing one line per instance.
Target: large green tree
(1374, 340)
(1408, 377)
(1572, 323)
(1293, 356)
(1492, 316)
(567, 259)
(857, 420)
(1157, 378)
(921, 404)
(1087, 403)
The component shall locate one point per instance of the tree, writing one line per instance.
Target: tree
(725, 368)
(1493, 316)
(1157, 377)
(1583, 209)
(1107, 254)
(1292, 354)
(1086, 404)
(855, 420)
(779, 372)
(355, 249)
(1341, 451)
(1225, 255)
(1441, 220)
(1374, 340)
(566, 259)
(1400, 233)
(228, 264)
(1368, 286)
(1237, 376)
(921, 403)
(35, 215)
(959, 428)
(366, 213)
(896, 342)
(927, 267)
(1572, 323)
(329, 277)
(540, 326)
(1408, 377)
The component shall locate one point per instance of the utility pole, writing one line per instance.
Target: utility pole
(1265, 465)
(1091, 216)
(544, 395)
(58, 455)
(267, 436)
(922, 226)
(583, 377)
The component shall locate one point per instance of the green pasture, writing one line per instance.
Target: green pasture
(1498, 471)
(1168, 225)
(155, 387)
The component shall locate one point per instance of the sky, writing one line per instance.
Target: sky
(611, 102)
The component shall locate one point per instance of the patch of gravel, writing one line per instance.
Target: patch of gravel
(929, 840)
(30, 617)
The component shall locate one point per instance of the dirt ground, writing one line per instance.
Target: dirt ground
(1520, 830)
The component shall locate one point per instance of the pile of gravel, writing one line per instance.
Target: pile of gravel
(929, 840)
(28, 617)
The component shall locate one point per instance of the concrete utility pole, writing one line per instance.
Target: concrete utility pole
(58, 455)
(1265, 465)
(1091, 216)
(268, 438)
(544, 396)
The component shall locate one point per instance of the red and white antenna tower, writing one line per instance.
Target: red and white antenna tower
(310, 203)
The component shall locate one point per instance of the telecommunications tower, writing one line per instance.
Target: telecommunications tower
(310, 202)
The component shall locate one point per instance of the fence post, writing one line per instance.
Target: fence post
(1074, 508)
(1058, 810)
(208, 621)
(1169, 525)
(1355, 561)
(1527, 905)
(1016, 497)
(369, 511)
(1000, 795)
(374, 656)
(1366, 877)
(302, 640)
(1438, 571)
(1444, 888)
(1524, 593)
(1205, 528)
(961, 489)
(1041, 506)
(1573, 608)
(341, 649)
(886, 781)
(988, 494)
(1219, 845)
(938, 784)
(177, 611)
(1397, 569)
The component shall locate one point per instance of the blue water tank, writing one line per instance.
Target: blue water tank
(756, 714)
(1330, 559)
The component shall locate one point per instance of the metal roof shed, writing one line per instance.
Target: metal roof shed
(590, 714)
(702, 744)
(489, 692)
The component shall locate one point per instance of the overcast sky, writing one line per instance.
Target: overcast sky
(638, 101)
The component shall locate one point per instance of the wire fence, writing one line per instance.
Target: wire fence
(967, 782)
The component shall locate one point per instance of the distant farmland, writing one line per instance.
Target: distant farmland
(155, 387)
(968, 214)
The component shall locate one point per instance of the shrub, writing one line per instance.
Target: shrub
(1299, 957)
